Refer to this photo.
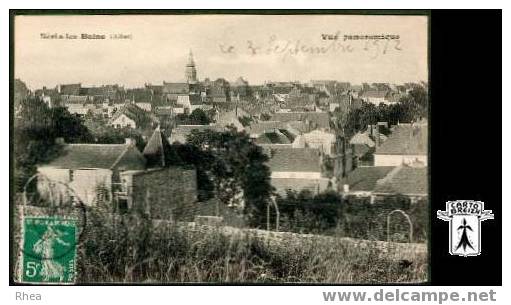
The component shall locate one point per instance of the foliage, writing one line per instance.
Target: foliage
(232, 165)
(369, 221)
(35, 129)
(103, 133)
(304, 213)
(131, 249)
(245, 121)
(410, 108)
(265, 116)
(330, 214)
(197, 117)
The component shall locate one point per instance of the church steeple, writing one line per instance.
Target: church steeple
(191, 72)
(190, 59)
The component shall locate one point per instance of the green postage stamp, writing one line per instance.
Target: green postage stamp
(48, 250)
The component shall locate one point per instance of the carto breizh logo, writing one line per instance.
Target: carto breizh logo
(464, 217)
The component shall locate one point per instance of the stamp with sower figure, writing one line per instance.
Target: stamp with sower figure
(48, 250)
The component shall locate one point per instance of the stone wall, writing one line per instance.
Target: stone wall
(163, 193)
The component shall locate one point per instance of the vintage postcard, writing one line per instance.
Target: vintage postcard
(221, 148)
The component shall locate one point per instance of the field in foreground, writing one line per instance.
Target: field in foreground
(137, 250)
(131, 249)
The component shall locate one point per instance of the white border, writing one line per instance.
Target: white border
(226, 295)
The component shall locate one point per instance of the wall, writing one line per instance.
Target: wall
(396, 160)
(123, 121)
(315, 186)
(162, 193)
(84, 182)
(324, 141)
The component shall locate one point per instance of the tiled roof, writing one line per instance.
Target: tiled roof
(70, 99)
(141, 117)
(362, 138)
(406, 139)
(320, 119)
(156, 149)
(374, 94)
(176, 88)
(264, 126)
(297, 127)
(294, 160)
(180, 132)
(227, 119)
(276, 137)
(404, 180)
(281, 90)
(364, 179)
(75, 156)
(70, 89)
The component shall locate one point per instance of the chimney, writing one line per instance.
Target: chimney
(130, 141)
(60, 140)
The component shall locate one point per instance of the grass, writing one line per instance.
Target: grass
(131, 249)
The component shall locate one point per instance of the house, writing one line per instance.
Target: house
(363, 148)
(296, 169)
(91, 170)
(163, 190)
(322, 140)
(218, 91)
(407, 144)
(145, 106)
(259, 128)
(384, 181)
(172, 90)
(315, 120)
(191, 102)
(50, 97)
(131, 116)
(275, 137)
(240, 88)
(340, 103)
(229, 118)
(404, 180)
(168, 193)
(122, 177)
(376, 97)
(79, 109)
(69, 89)
(74, 99)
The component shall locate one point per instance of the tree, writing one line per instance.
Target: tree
(235, 166)
(35, 129)
(245, 121)
(197, 117)
(106, 134)
(410, 108)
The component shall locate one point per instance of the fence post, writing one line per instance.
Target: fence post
(277, 212)
(268, 216)
(407, 218)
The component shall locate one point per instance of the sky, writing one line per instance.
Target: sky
(258, 48)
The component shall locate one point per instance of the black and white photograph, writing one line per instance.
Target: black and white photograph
(220, 148)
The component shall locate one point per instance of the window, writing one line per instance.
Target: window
(123, 205)
(71, 175)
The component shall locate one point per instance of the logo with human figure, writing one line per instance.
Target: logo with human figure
(465, 217)
(49, 250)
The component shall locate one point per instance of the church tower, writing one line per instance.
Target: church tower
(191, 72)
